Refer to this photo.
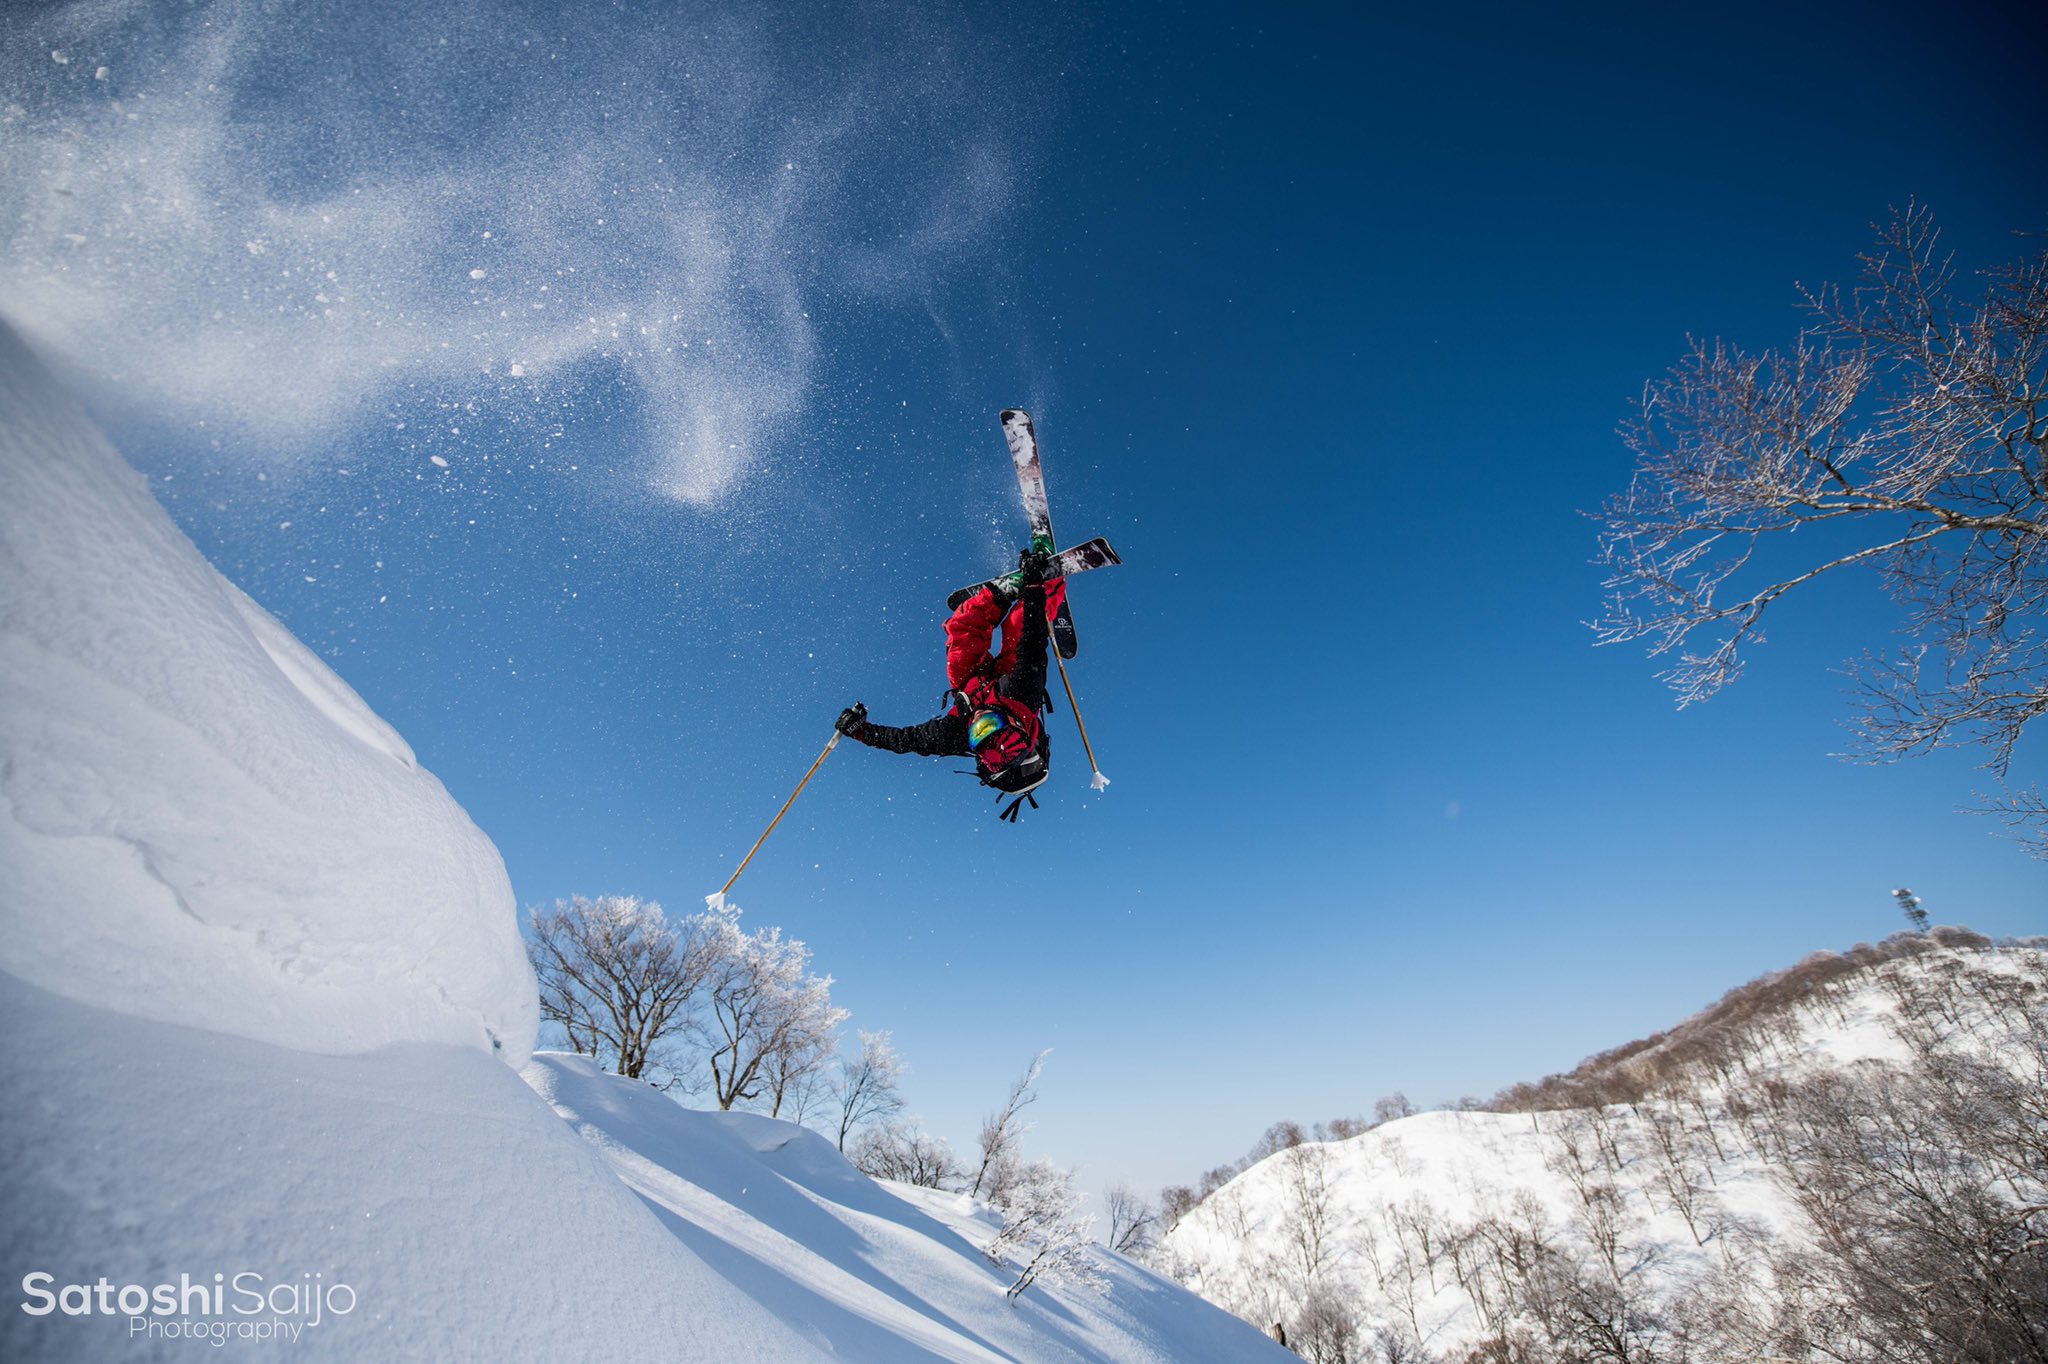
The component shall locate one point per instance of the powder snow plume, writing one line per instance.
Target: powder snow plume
(283, 221)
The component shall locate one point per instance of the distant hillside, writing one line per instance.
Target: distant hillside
(1717, 1040)
(1844, 1161)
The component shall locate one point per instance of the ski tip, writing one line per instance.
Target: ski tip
(1011, 414)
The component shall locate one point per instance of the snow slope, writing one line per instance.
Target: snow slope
(262, 1008)
(882, 1272)
(199, 822)
(470, 1221)
(467, 1220)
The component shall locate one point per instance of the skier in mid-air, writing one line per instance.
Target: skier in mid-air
(995, 697)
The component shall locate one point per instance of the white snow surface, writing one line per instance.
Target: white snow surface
(260, 981)
(870, 1270)
(472, 1217)
(1445, 1172)
(199, 822)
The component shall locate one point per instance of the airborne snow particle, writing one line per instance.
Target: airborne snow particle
(437, 461)
(61, 57)
(476, 274)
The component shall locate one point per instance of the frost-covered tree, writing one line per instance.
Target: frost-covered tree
(800, 1051)
(618, 976)
(1044, 1234)
(906, 1153)
(761, 1002)
(869, 1086)
(1003, 1130)
(1906, 429)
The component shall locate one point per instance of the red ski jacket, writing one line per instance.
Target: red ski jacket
(1018, 671)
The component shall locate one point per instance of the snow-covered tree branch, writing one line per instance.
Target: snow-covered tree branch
(1002, 1130)
(1044, 1235)
(766, 1012)
(617, 975)
(870, 1084)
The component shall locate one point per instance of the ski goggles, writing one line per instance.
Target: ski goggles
(985, 726)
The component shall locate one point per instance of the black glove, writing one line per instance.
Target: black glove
(1032, 567)
(851, 720)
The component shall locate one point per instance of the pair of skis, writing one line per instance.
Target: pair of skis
(1023, 441)
(1096, 553)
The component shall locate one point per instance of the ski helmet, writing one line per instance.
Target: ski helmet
(1009, 745)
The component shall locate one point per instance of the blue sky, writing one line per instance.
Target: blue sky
(1327, 321)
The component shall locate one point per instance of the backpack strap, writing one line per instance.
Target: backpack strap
(1016, 806)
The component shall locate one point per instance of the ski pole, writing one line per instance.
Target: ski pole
(1099, 780)
(717, 901)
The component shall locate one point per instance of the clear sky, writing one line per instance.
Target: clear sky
(609, 394)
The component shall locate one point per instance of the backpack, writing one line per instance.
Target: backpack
(1012, 760)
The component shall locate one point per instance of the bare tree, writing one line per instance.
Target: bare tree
(1391, 1108)
(1904, 430)
(1927, 1184)
(1680, 1173)
(869, 1085)
(1311, 1211)
(803, 1043)
(1284, 1135)
(1325, 1329)
(1131, 1221)
(1002, 1130)
(617, 976)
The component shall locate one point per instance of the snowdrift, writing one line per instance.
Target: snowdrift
(199, 822)
(463, 1219)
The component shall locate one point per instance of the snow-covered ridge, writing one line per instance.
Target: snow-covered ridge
(199, 822)
(1739, 1031)
(1702, 1217)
